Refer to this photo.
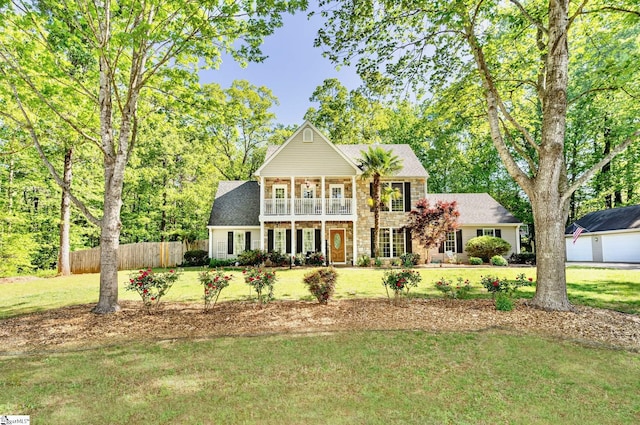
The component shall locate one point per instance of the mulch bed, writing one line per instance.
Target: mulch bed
(75, 327)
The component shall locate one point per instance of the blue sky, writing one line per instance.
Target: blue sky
(292, 71)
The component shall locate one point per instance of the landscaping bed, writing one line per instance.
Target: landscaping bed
(74, 328)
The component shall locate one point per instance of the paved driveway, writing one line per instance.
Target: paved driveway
(621, 266)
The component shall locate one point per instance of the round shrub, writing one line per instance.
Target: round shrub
(498, 260)
(486, 247)
(321, 283)
(475, 261)
(196, 257)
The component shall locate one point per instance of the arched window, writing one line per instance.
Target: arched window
(307, 135)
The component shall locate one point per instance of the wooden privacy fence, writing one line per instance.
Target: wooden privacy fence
(136, 256)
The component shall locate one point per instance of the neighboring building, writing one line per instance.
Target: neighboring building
(308, 196)
(611, 235)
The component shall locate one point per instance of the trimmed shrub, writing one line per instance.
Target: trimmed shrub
(409, 259)
(315, 259)
(475, 261)
(486, 247)
(321, 283)
(523, 258)
(252, 257)
(215, 263)
(278, 259)
(504, 302)
(498, 260)
(196, 257)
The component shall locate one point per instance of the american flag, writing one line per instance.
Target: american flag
(577, 232)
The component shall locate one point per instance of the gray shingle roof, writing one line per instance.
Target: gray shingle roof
(237, 203)
(610, 219)
(476, 208)
(411, 165)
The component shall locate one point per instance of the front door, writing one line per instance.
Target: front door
(336, 238)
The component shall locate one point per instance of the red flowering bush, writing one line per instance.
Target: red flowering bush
(494, 284)
(151, 286)
(262, 281)
(451, 290)
(321, 283)
(400, 281)
(214, 282)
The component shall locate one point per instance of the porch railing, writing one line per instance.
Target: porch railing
(308, 206)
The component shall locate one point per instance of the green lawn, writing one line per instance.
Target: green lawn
(345, 378)
(398, 377)
(614, 289)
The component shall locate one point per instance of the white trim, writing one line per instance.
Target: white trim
(304, 125)
(233, 227)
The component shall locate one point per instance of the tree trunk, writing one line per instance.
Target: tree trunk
(549, 219)
(376, 215)
(64, 264)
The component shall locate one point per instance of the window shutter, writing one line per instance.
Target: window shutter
(459, 247)
(230, 243)
(318, 240)
(441, 248)
(479, 232)
(298, 240)
(498, 233)
(269, 240)
(407, 196)
(373, 254)
(288, 243)
(408, 245)
(247, 241)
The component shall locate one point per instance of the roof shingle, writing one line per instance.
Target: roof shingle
(476, 208)
(237, 203)
(610, 219)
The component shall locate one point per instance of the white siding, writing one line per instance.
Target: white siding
(621, 247)
(219, 240)
(581, 250)
(315, 158)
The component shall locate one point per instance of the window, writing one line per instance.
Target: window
(398, 242)
(239, 238)
(336, 191)
(307, 135)
(308, 190)
(393, 204)
(488, 232)
(280, 198)
(279, 243)
(308, 240)
(450, 242)
(392, 242)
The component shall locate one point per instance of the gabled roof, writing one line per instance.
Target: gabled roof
(237, 203)
(476, 208)
(411, 165)
(272, 151)
(611, 219)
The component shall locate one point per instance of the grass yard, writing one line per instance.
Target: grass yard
(362, 377)
(605, 288)
(395, 377)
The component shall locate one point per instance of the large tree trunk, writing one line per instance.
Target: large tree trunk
(549, 211)
(549, 219)
(64, 265)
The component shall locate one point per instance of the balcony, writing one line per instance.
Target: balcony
(309, 207)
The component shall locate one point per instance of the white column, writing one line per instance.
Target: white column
(293, 238)
(518, 239)
(353, 197)
(322, 196)
(355, 241)
(293, 192)
(262, 198)
(261, 235)
(210, 242)
(322, 237)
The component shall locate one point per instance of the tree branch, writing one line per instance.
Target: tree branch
(597, 167)
(530, 18)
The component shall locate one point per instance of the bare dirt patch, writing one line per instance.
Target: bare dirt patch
(72, 328)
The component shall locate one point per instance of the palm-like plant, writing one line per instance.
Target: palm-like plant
(377, 163)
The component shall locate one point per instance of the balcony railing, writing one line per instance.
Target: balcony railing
(308, 206)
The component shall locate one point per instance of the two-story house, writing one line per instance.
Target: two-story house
(308, 196)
